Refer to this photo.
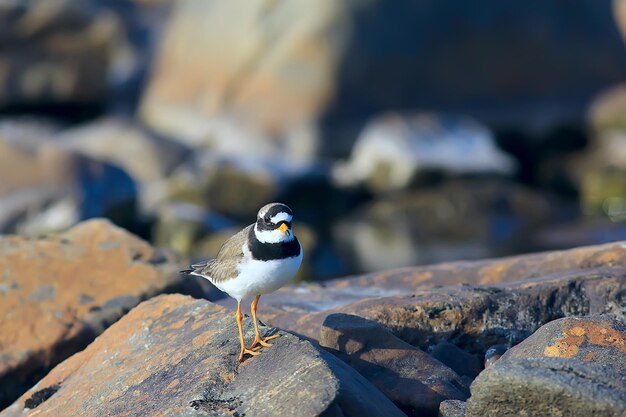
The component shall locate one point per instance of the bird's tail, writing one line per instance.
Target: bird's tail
(195, 267)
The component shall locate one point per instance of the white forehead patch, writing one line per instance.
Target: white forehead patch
(280, 217)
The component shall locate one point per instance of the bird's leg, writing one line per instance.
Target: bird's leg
(258, 340)
(240, 326)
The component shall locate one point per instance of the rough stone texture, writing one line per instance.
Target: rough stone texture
(317, 297)
(412, 379)
(54, 53)
(176, 356)
(293, 61)
(58, 293)
(596, 339)
(452, 408)
(572, 366)
(476, 318)
(548, 387)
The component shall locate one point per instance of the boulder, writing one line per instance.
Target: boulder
(296, 62)
(238, 185)
(174, 355)
(409, 377)
(459, 219)
(147, 159)
(572, 366)
(59, 292)
(452, 408)
(307, 298)
(395, 151)
(46, 188)
(55, 55)
(473, 318)
(597, 339)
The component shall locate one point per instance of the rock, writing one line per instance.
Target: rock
(179, 356)
(409, 377)
(607, 111)
(473, 318)
(493, 354)
(119, 142)
(601, 177)
(395, 151)
(59, 292)
(547, 386)
(63, 56)
(461, 362)
(293, 63)
(598, 339)
(47, 189)
(237, 186)
(467, 219)
(317, 297)
(452, 408)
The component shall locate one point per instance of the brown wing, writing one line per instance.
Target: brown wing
(224, 266)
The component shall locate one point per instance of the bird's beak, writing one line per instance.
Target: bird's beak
(283, 228)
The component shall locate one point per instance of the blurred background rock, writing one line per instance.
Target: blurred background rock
(401, 133)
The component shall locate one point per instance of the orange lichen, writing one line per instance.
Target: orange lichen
(574, 334)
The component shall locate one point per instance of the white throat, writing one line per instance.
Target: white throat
(272, 236)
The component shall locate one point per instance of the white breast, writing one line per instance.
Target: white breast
(260, 277)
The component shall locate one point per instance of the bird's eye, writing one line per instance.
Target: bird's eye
(266, 219)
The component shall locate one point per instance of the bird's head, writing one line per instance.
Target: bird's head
(273, 223)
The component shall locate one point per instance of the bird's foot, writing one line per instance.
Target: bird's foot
(250, 352)
(261, 342)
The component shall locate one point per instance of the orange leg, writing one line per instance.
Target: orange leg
(258, 340)
(243, 345)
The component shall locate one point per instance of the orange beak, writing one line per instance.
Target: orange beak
(283, 228)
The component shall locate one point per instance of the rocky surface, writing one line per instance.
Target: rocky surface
(412, 379)
(58, 293)
(475, 317)
(452, 408)
(313, 297)
(174, 355)
(572, 366)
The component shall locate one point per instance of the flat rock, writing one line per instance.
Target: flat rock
(413, 380)
(597, 339)
(476, 317)
(301, 299)
(572, 366)
(58, 293)
(174, 355)
(547, 387)
(452, 408)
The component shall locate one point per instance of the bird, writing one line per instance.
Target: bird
(258, 260)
